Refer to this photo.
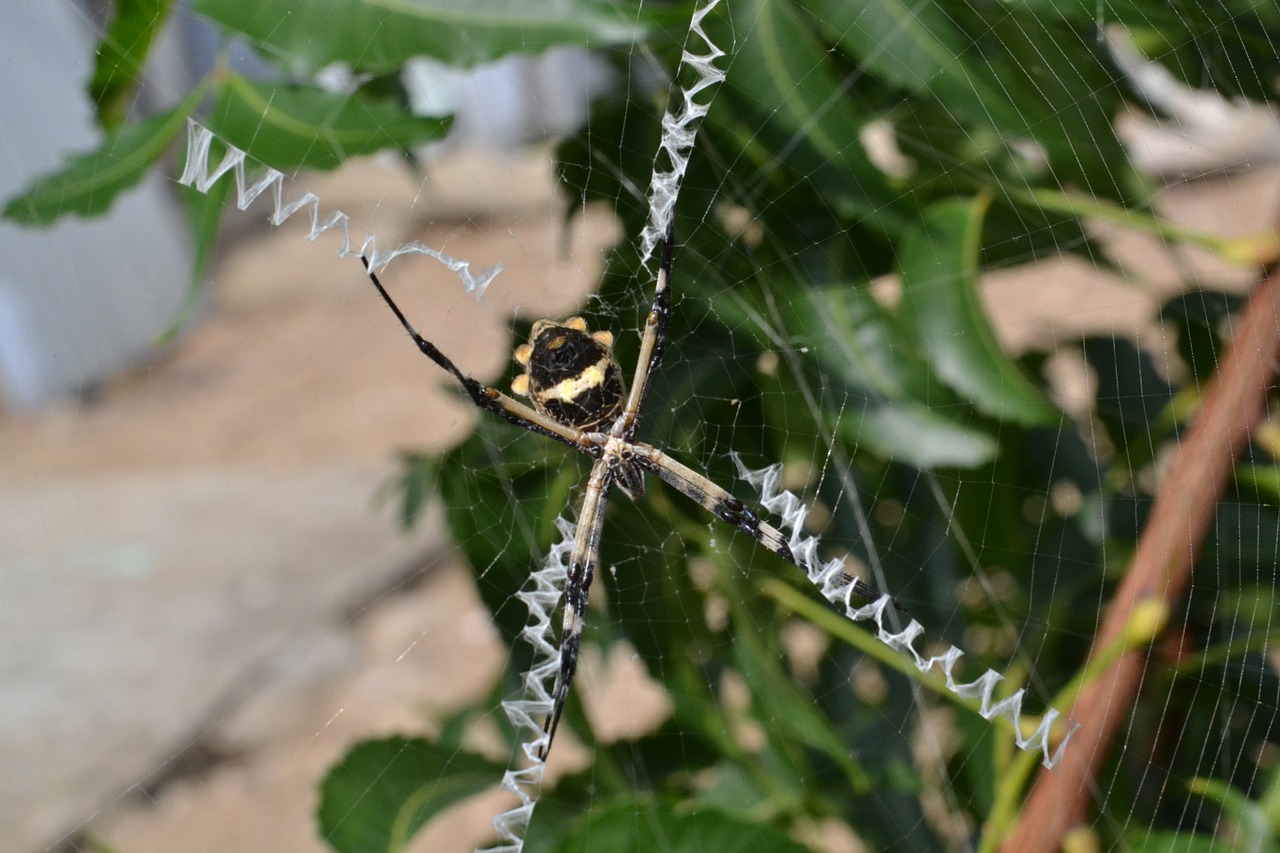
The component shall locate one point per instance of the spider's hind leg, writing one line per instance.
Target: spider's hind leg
(867, 591)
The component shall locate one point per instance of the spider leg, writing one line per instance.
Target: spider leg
(582, 569)
(654, 341)
(724, 506)
(486, 398)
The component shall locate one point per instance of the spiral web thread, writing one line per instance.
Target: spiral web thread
(534, 704)
(679, 128)
(197, 173)
(836, 586)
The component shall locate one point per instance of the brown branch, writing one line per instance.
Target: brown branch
(1233, 405)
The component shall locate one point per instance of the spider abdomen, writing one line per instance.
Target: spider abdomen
(570, 374)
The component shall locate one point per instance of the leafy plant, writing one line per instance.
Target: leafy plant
(944, 461)
(290, 121)
(1006, 113)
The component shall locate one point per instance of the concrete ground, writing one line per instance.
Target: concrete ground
(203, 605)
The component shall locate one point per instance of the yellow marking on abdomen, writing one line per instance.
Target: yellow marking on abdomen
(569, 389)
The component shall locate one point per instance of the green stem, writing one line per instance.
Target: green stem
(842, 629)
(1254, 250)
(1220, 654)
(712, 724)
(1145, 623)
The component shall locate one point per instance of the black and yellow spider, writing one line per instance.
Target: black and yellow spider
(579, 398)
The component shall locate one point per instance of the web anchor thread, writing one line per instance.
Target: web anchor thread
(534, 705)
(197, 173)
(836, 586)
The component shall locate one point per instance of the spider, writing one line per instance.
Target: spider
(576, 387)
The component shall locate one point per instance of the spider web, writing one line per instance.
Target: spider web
(846, 386)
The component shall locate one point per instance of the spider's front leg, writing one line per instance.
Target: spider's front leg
(653, 342)
(718, 501)
(484, 397)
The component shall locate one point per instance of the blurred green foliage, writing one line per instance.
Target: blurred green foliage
(1000, 521)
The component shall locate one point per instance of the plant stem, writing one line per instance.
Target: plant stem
(1253, 250)
(1233, 406)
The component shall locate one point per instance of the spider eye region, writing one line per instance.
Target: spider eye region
(571, 374)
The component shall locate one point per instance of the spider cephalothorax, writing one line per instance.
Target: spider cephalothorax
(571, 375)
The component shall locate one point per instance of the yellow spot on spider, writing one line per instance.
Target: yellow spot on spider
(570, 388)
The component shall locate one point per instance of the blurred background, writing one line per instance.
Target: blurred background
(205, 594)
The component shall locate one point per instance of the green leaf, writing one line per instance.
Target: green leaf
(204, 214)
(121, 55)
(939, 266)
(1227, 45)
(1269, 798)
(385, 790)
(635, 825)
(417, 484)
(920, 436)
(380, 37)
(789, 713)
(1262, 479)
(784, 90)
(1131, 396)
(736, 792)
(1251, 820)
(996, 67)
(894, 406)
(1177, 842)
(502, 490)
(89, 183)
(1063, 94)
(1202, 319)
(912, 46)
(290, 127)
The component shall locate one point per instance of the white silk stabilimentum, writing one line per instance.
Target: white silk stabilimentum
(529, 711)
(836, 587)
(679, 129)
(196, 173)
